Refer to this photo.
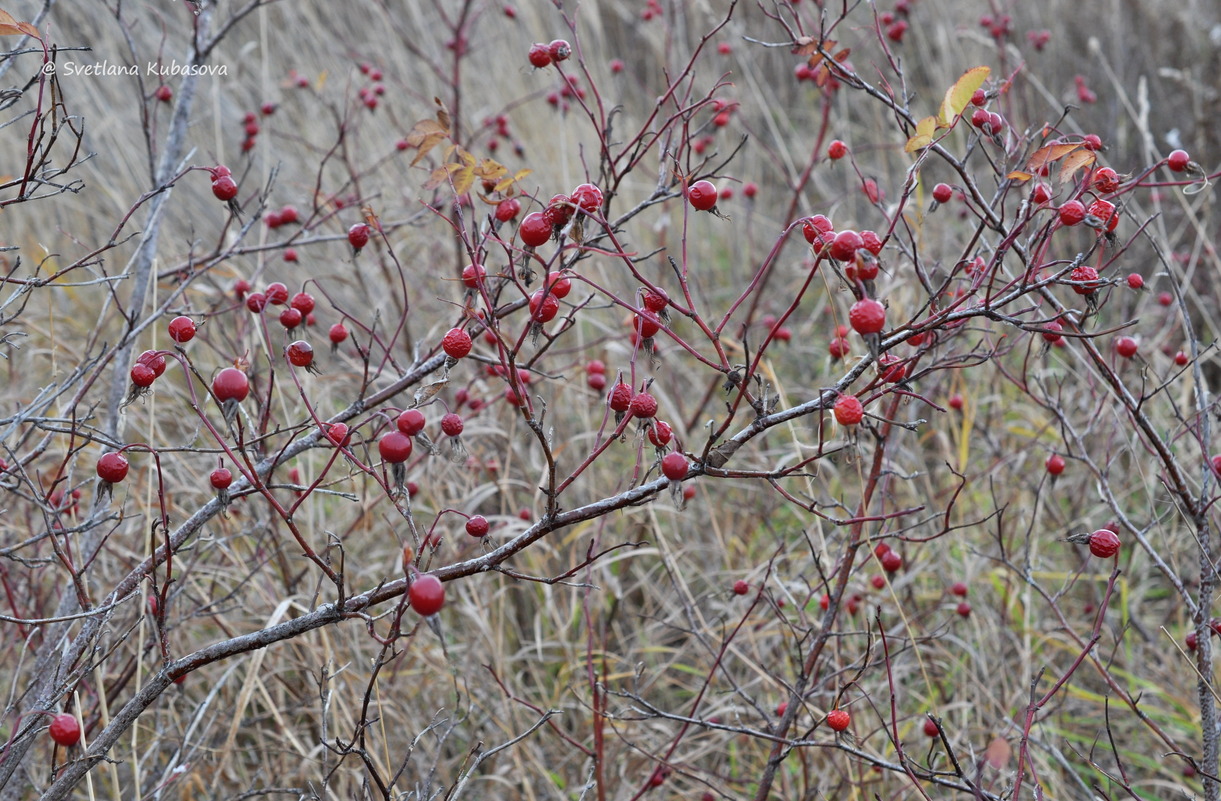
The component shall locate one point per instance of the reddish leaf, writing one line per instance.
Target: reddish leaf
(805, 45)
(1048, 154)
(9, 26)
(998, 753)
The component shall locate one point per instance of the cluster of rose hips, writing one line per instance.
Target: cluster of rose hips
(570, 87)
(285, 216)
(538, 227)
(989, 122)
(223, 186)
(500, 126)
(369, 94)
(545, 54)
(999, 27)
(652, 9)
(894, 23)
(250, 129)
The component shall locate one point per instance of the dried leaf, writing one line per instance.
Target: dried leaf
(1074, 162)
(1048, 154)
(1019, 176)
(924, 135)
(998, 753)
(442, 114)
(426, 392)
(805, 45)
(959, 95)
(822, 73)
(371, 218)
(423, 130)
(427, 134)
(9, 26)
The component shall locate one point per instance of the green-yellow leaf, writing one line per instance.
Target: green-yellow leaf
(924, 135)
(959, 95)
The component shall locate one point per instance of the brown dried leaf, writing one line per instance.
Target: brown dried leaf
(1074, 162)
(426, 393)
(371, 218)
(823, 73)
(424, 136)
(442, 114)
(1048, 154)
(804, 46)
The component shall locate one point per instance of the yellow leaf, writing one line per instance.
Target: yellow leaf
(924, 135)
(463, 179)
(490, 170)
(1074, 162)
(505, 183)
(1019, 176)
(441, 175)
(959, 95)
(425, 145)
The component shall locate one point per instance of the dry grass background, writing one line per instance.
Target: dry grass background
(646, 621)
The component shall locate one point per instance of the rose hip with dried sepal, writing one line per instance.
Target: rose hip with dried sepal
(674, 466)
(230, 386)
(452, 426)
(111, 469)
(643, 405)
(457, 344)
(395, 449)
(411, 422)
(358, 236)
(620, 400)
(301, 354)
(867, 316)
(1103, 543)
